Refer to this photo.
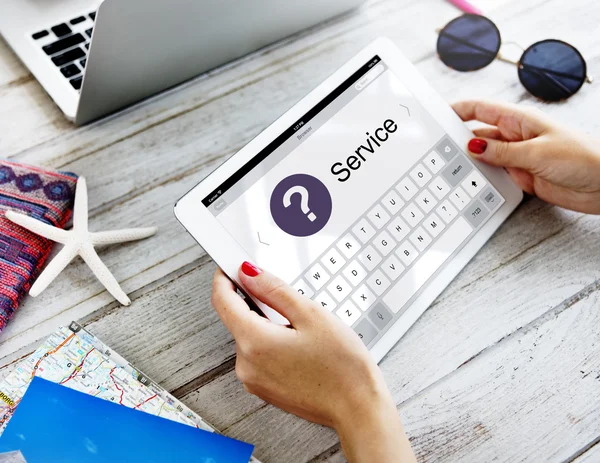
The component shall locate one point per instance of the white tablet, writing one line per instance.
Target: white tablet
(361, 197)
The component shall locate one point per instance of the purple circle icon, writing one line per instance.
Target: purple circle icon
(301, 205)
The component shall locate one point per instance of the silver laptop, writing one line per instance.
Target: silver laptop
(96, 57)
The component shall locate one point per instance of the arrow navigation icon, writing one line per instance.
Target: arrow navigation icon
(261, 241)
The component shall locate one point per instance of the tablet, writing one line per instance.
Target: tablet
(361, 197)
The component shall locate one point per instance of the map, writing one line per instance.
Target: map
(75, 358)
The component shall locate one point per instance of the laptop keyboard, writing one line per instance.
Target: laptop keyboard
(67, 44)
(369, 276)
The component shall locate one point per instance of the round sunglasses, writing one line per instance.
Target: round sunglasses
(551, 70)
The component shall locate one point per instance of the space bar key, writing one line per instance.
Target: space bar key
(427, 265)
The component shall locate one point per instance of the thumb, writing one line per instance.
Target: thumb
(275, 293)
(503, 153)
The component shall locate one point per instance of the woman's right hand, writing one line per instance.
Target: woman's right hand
(554, 163)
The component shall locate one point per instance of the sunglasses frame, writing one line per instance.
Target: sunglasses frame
(501, 57)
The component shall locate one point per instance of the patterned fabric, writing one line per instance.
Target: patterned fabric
(44, 195)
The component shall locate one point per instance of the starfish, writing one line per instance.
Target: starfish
(80, 241)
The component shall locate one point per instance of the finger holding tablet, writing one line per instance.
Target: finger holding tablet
(303, 369)
(559, 165)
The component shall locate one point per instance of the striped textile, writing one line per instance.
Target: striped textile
(41, 194)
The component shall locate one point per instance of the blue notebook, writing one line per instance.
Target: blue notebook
(55, 424)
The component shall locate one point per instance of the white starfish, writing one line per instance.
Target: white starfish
(80, 241)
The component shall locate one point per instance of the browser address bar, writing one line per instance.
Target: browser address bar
(370, 77)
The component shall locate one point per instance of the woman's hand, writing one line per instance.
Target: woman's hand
(318, 369)
(556, 164)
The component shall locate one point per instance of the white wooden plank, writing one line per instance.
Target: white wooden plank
(223, 401)
(76, 293)
(531, 397)
(591, 455)
(12, 71)
(525, 399)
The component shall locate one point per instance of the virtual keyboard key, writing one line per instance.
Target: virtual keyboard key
(457, 170)
(326, 301)
(459, 198)
(420, 238)
(317, 276)
(447, 211)
(420, 175)
(439, 187)
(378, 282)
(407, 189)
(365, 331)
(63, 44)
(39, 35)
(354, 273)
(348, 246)
(363, 298)
(392, 202)
(412, 214)
(61, 30)
(434, 162)
(398, 229)
(303, 288)
(407, 253)
(348, 313)
(434, 225)
(476, 213)
(384, 243)
(378, 216)
(76, 83)
(364, 231)
(380, 316)
(426, 201)
(333, 261)
(339, 288)
(490, 198)
(404, 289)
(446, 149)
(369, 258)
(70, 70)
(474, 183)
(393, 268)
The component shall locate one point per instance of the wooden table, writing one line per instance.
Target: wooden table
(504, 366)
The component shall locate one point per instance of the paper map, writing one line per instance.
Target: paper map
(76, 359)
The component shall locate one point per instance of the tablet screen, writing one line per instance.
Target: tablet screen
(358, 188)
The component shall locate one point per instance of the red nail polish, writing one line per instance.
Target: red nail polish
(477, 145)
(250, 270)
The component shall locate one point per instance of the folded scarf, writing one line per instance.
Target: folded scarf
(44, 195)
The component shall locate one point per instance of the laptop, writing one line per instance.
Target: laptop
(94, 58)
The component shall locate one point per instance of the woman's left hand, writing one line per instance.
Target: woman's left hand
(317, 369)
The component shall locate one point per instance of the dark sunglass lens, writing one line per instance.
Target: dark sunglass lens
(552, 70)
(468, 43)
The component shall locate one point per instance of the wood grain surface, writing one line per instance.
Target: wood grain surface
(504, 366)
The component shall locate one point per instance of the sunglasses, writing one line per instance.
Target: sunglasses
(551, 70)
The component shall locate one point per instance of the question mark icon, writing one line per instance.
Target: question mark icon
(314, 203)
(303, 192)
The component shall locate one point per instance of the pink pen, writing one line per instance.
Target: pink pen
(465, 6)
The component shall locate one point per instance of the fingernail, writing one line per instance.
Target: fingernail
(477, 145)
(250, 270)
